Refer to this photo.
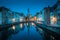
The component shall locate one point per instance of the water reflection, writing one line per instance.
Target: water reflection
(33, 24)
(21, 25)
(25, 31)
(13, 27)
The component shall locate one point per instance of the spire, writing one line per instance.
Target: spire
(28, 10)
(29, 15)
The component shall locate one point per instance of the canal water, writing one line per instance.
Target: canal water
(25, 31)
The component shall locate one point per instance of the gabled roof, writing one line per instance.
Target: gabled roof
(56, 5)
(1, 8)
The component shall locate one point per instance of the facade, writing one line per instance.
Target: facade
(4, 17)
(47, 15)
(54, 12)
(39, 17)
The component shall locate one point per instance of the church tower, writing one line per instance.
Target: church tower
(29, 15)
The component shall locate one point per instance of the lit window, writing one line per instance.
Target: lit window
(13, 19)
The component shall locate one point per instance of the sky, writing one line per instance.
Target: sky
(23, 5)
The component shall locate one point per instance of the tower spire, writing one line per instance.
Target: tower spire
(28, 10)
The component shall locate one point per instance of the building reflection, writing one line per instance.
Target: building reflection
(21, 25)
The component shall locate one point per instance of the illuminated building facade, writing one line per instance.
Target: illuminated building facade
(56, 10)
(52, 14)
(47, 15)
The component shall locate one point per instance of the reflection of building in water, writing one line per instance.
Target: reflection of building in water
(21, 25)
(13, 27)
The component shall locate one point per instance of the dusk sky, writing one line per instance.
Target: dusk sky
(23, 5)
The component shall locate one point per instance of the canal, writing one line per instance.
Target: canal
(25, 31)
